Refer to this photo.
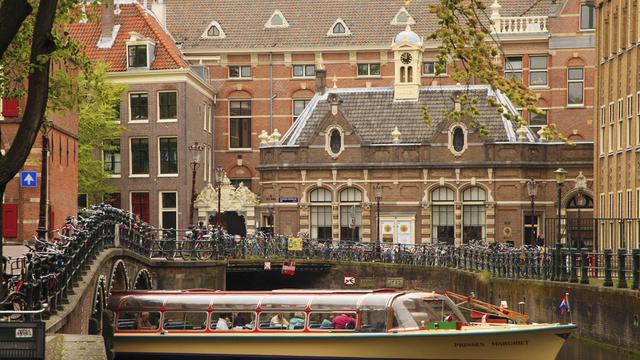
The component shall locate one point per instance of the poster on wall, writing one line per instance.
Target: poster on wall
(404, 232)
(387, 230)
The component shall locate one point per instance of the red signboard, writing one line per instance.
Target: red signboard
(10, 107)
(10, 220)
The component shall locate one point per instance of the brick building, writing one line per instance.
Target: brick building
(263, 65)
(618, 110)
(444, 182)
(166, 108)
(20, 211)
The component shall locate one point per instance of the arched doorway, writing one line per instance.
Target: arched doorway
(234, 223)
(580, 221)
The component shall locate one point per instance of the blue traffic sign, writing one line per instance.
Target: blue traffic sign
(28, 179)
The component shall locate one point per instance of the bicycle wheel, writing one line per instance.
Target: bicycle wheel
(187, 250)
(204, 250)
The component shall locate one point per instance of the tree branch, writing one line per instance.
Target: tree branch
(12, 15)
(38, 94)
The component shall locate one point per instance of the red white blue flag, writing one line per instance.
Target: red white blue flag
(564, 305)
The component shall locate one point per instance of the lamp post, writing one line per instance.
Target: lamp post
(560, 175)
(378, 194)
(44, 179)
(220, 173)
(532, 190)
(195, 163)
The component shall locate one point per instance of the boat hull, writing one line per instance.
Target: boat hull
(495, 342)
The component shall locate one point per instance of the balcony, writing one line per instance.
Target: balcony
(523, 24)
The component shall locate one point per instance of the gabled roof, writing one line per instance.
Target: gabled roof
(373, 114)
(369, 21)
(131, 18)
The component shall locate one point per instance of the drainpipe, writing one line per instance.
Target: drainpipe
(270, 93)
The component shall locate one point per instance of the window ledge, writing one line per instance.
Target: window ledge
(539, 87)
(167, 121)
(433, 76)
(167, 175)
(587, 30)
(581, 106)
(138, 121)
(115, 176)
(302, 77)
(241, 78)
(240, 150)
(138, 175)
(369, 77)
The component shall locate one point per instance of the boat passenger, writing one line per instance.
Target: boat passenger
(143, 322)
(278, 321)
(297, 321)
(223, 323)
(239, 322)
(343, 321)
(327, 323)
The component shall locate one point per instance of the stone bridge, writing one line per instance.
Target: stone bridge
(612, 319)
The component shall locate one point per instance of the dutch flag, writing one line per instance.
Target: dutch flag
(564, 305)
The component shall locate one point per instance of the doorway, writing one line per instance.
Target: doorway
(232, 222)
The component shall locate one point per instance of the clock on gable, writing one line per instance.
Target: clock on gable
(406, 58)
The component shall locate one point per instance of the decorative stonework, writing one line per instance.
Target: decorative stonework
(240, 200)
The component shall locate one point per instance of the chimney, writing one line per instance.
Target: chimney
(321, 80)
(107, 21)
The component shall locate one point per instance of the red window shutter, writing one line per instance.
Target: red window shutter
(10, 107)
(141, 205)
(10, 220)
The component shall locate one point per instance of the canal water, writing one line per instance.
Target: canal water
(576, 349)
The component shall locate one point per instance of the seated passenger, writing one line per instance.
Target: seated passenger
(143, 322)
(343, 321)
(297, 321)
(279, 321)
(327, 323)
(223, 323)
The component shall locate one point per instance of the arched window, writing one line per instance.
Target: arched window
(320, 214)
(442, 215)
(458, 139)
(335, 141)
(350, 214)
(213, 31)
(402, 74)
(473, 214)
(409, 73)
(338, 28)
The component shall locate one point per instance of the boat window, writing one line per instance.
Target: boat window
(239, 302)
(138, 320)
(141, 303)
(185, 320)
(282, 321)
(373, 320)
(289, 302)
(337, 302)
(412, 311)
(237, 321)
(332, 321)
(187, 303)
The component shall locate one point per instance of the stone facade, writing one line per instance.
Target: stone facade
(618, 112)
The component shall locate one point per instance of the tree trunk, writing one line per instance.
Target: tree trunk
(12, 15)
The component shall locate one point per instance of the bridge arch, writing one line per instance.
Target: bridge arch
(119, 277)
(142, 280)
(99, 304)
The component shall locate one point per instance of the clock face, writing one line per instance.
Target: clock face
(405, 58)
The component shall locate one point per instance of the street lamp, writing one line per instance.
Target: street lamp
(560, 174)
(195, 163)
(220, 173)
(378, 194)
(532, 190)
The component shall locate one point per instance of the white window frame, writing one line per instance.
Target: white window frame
(629, 121)
(251, 123)
(620, 123)
(131, 120)
(357, 214)
(113, 176)
(409, 20)
(278, 13)
(451, 138)
(294, 117)
(131, 174)
(161, 209)
(205, 166)
(158, 106)
(638, 113)
(221, 35)
(160, 173)
(240, 76)
(304, 71)
(475, 203)
(510, 70)
(582, 28)
(131, 201)
(580, 81)
(426, 74)
(146, 47)
(347, 31)
(601, 136)
(545, 70)
(327, 141)
(612, 115)
(368, 75)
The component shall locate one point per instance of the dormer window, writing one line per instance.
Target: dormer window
(457, 139)
(137, 56)
(214, 31)
(334, 141)
(339, 28)
(277, 20)
(402, 18)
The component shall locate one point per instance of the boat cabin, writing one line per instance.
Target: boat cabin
(210, 311)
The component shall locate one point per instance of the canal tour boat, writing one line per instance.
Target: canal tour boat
(317, 324)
